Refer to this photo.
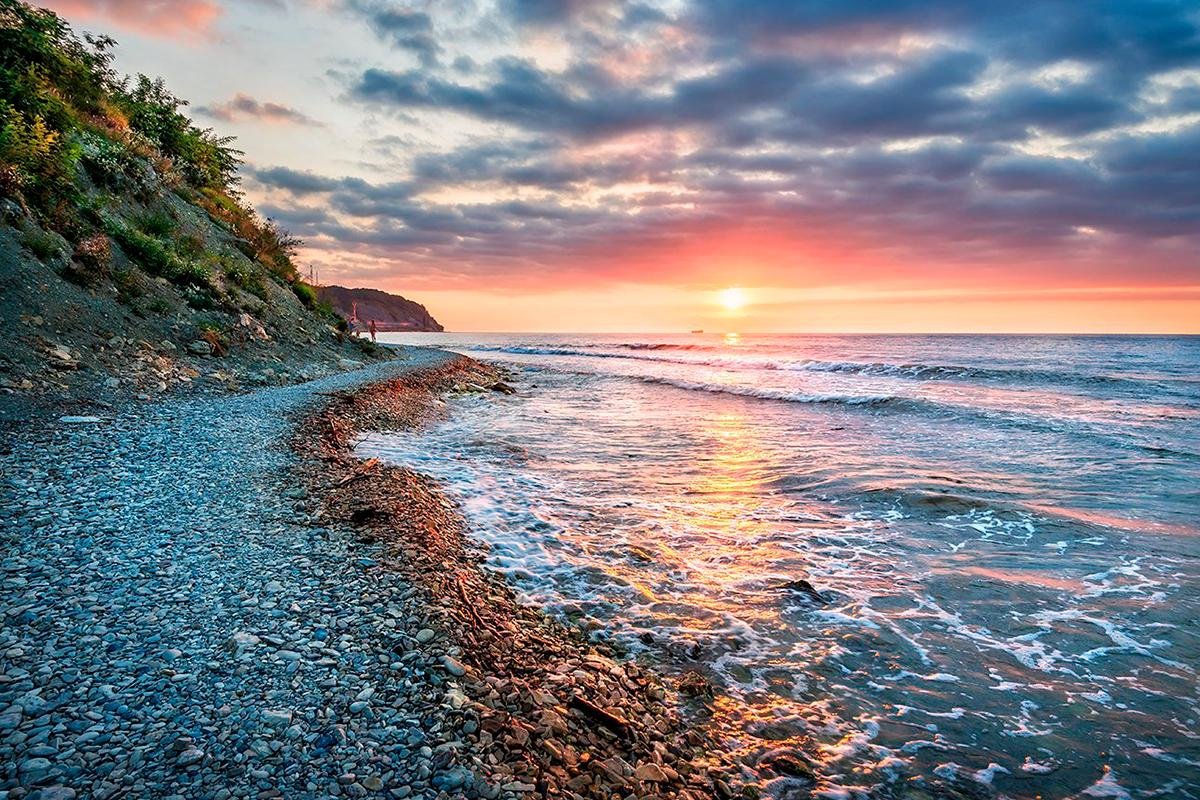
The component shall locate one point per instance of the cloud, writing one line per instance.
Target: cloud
(166, 18)
(800, 141)
(402, 28)
(551, 12)
(243, 107)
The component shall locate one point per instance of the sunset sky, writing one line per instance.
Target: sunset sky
(588, 165)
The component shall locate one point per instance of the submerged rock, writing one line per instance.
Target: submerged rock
(802, 586)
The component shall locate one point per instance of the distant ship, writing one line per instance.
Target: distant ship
(698, 330)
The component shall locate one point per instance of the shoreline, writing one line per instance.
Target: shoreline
(541, 710)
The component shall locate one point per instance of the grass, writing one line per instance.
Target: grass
(147, 251)
(243, 276)
(306, 293)
(158, 224)
(129, 288)
(42, 244)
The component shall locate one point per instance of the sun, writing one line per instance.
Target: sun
(732, 299)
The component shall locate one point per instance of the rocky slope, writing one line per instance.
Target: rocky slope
(62, 341)
(390, 312)
(130, 262)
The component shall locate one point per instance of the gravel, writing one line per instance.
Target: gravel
(178, 621)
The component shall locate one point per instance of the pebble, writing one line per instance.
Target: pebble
(277, 716)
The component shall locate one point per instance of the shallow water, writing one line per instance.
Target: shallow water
(1004, 530)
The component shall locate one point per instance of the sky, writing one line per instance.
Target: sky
(587, 165)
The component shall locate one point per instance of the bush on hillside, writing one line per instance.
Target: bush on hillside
(63, 107)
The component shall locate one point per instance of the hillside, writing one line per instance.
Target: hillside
(129, 260)
(390, 312)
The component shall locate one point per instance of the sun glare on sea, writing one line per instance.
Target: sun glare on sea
(732, 299)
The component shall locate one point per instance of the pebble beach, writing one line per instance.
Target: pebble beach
(211, 597)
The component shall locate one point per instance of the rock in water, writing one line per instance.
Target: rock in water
(802, 586)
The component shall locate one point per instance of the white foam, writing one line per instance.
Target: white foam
(988, 774)
(1036, 767)
(1107, 786)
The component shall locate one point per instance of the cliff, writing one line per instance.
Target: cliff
(390, 312)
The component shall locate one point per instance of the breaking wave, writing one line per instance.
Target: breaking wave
(707, 356)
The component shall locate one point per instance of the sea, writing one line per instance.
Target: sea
(963, 563)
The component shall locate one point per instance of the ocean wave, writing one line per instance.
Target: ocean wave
(873, 400)
(881, 369)
(919, 371)
(912, 405)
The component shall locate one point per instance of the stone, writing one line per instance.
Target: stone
(651, 773)
(277, 716)
(241, 641)
(200, 347)
(10, 211)
(425, 635)
(453, 666)
(190, 756)
(55, 793)
(34, 766)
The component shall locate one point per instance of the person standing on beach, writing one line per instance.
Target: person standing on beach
(372, 328)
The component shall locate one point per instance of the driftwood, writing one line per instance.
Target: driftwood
(359, 471)
(605, 718)
(462, 593)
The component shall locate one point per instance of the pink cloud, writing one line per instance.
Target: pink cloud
(166, 18)
(244, 107)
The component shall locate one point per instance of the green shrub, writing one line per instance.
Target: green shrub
(244, 277)
(205, 159)
(104, 159)
(42, 244)
(191, 245)
(158, 224)
(325, 310)
(40, 160)
(192, 273)
(306, 293)
(365, 345)
(198, 296)
(159, 305)
(91, 260)
(146, 251)
(128, 286)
